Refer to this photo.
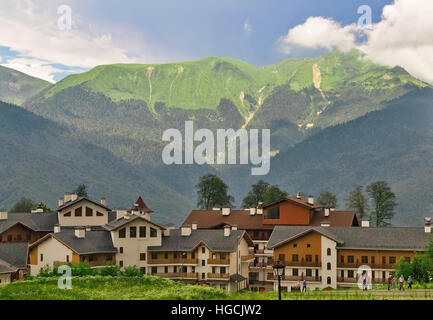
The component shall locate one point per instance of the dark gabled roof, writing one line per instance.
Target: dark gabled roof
(213, 239)
(15, 253)
(70, 203)
(34, 221)
(211, 219)
(6, 267)
(400, 238)
(115, 224)
(95, 241)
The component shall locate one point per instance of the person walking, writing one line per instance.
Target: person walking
(304, 286)
(401, 281)
(409, 282)
(394, 283)
(364, 283)
(389, 280)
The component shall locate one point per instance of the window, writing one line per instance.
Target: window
(175, 269)
(153, 233)
(165, 255)
(67, 214)
(213, 256)
(372, 259)
(203, 263)
(203, 250)
(175, 255)
(309, 258)
(109, 258)
(364, 259)
(154, 255)
(142, 257)
(184, 269)
(328, 280)
(328, 251)
(295, 272)
(383, 274)
(273, 213)
(122, 233)
(192, 255)
(132, 232)
(143, 270)
(309, 273)
(373, 275)
(203, 275)
(42, 257)
(295, 245)
(99, 214)
(383, 260)
(392, 260)
(350, 273)
(78, 212)
(407, 259)
(295, 258)
(165, 269)
(328, 266)
(308, 245)
(19, 237)
(90, 258)
(121, 250)
(342, 273)
(223, 256)
(342, 259)
(213, 269)
(223, 270)
(67, 258)
(9, 237)
(282, 257)
(142, 232)
(350, 259)
(89, 212)
(154, 270)
(193, 269)
(184, 255)
(316, 258)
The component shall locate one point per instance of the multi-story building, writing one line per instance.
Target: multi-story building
(260, 222)
(332, 256)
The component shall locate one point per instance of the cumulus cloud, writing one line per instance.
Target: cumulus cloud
(403, 37)
(29, 28)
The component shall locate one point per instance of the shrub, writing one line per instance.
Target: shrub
(132, 271)
(109, 270)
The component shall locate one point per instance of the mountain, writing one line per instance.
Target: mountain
(42, 160)
(17, 87)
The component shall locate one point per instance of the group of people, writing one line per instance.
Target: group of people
(392, 282)
(304, 285)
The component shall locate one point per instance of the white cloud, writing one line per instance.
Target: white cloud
(403, 37)
(248, 28)
(30, 28)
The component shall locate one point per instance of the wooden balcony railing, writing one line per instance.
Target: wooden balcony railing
(355, 265)
(177, 275)
(247, 257)
(347, 280)
(303, 263)
(295, 278)
(224, 276)
(219, 261)
(178, 260)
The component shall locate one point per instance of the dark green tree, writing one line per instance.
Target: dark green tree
(27, 205)
(383, 203)
(327, 199)
(256, 194)
(273, 194)
(81, 191)
(358, 202)
(212, 192)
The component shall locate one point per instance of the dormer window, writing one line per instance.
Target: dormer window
(89, 212)
(67, 214)
(78, 212)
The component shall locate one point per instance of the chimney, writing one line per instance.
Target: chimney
(227, 231)
(120, 213)
(70, 197)
(104, 202)
(80, 232)
(3, 215)
(298, 195)
(325, 223)
(365, 223)
(88, 228)
(252, 211)
(216, 209)
(260, 208)
(60, 202)
(194, 226)
(74, 197)
(185, 230)
(226, 211)
(57, 228)
(310, 200)
(38, 209)
(168, 230)
(427, 225)
(326, 212)
(234, 227)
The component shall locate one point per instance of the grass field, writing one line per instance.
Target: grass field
(153, 288)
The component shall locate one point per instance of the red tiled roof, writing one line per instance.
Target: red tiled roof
(212, 219)
(335, 219)
(142, 206)
(301, 201)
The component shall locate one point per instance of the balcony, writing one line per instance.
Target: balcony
(264, 252)
(303, 263)
(247, 257)
(215, 276)
(271, 277)
(347, 280)
(173, 261)
(356, 265)
(219, 261)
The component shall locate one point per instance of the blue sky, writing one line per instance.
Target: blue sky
(157, 31)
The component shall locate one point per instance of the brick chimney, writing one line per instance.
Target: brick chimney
(327, 212)
(194, 225)
(226, 211)
(104, 202)
(365, 223)
(60, 202)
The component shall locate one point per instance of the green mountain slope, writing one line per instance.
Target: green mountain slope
(17, 87)
(42, 160)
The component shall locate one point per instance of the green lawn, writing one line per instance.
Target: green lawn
(153, 288)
